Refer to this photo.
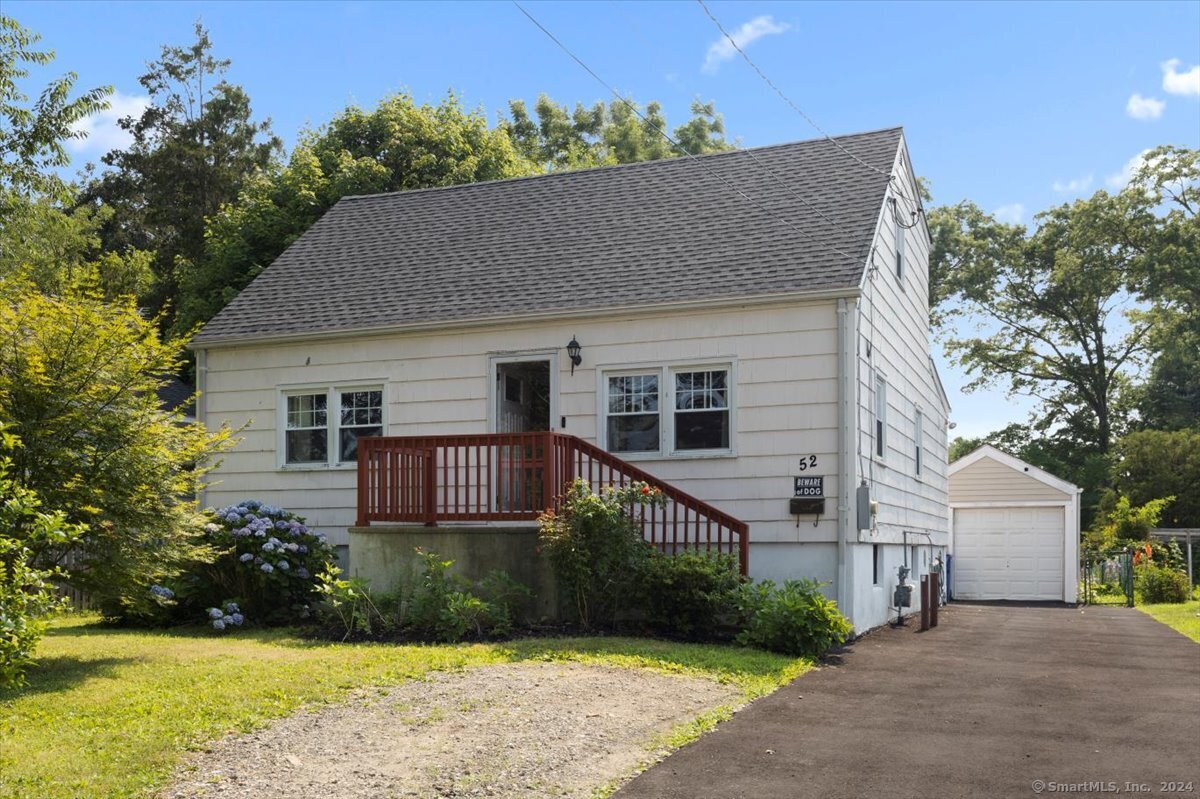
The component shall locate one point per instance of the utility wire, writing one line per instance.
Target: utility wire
(890, 176)
(675, 143)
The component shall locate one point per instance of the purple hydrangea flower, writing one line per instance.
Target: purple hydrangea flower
(218, 624)
(284, 565)
(231, 607)
(237, 618)
(268, 568)
(246, 556)
(215, 613)
(302, 573)
(162, 591)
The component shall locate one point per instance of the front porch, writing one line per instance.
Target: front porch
(512, 478)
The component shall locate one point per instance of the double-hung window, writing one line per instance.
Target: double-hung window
(634, 421)
(919, 441)
(321, 426)
(899, 239)
(669, 410)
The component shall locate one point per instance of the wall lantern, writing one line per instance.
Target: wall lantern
(573, 349)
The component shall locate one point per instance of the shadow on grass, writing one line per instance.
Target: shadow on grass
(63, 672)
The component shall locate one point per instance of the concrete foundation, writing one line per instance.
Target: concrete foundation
(385, 556)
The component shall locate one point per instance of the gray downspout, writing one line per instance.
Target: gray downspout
(847, 529)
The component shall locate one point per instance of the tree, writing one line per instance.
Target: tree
(1052, 310)
(78, 381)
(193, 149)
(59, 251)
(27, 594)
(555, 137)
(31, 138)
(1157, 463)
(398, 145)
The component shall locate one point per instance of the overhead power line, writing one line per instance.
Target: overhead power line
(889, 175)
(632, 107)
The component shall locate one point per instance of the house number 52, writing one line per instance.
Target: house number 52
(808, 462)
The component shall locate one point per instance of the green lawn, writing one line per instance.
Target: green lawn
(109, 713)
(1184, 617)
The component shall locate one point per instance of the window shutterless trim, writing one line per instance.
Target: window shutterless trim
(333, 415)
(666, 373)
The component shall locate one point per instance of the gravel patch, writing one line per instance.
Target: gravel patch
(524, 730)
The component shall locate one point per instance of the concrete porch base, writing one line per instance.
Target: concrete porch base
(385, 556)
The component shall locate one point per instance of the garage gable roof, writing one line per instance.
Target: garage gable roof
(1017, 465)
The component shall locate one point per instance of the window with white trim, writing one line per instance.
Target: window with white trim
(672, 410)
(702, 410)
(919, 441)
(315, 436)
(880, 417)
(634, 423)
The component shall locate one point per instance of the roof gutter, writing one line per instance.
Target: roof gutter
(493, 321)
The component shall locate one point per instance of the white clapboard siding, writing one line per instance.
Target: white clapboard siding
(437, 383)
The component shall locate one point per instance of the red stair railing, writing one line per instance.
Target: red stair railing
(515, 477)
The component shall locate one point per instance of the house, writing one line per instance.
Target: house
(748, 329)
(1014, 530)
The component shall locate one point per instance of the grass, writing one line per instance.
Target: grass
(1183, 616)
(111, 712)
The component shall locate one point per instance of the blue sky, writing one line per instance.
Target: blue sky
(1017, 106)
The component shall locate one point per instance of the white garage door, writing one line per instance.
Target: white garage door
(1008, 553)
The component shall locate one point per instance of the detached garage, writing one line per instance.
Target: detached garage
(1014, 530)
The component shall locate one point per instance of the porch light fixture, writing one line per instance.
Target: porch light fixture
(573, 349)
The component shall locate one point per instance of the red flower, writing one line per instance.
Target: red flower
(645, 489)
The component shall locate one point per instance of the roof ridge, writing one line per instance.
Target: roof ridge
(658, 162)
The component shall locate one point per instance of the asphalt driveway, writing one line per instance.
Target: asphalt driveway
(994, 698)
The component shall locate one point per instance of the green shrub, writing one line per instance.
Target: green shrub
(596, 549)
(433, 605)
(27, 595)
(263, 560)
(691, 594)
(1161, 584)
(795, 618)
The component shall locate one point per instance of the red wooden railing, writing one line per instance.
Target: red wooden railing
(515, 477)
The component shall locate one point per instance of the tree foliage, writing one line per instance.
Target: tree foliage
(32, 136)
(26, 592)
(78, 381)
(1150, 464)
(193, 148)
(555, 137)
(398, 145)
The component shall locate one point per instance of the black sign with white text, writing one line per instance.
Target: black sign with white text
(810, 486)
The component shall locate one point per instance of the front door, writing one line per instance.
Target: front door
(524, 404)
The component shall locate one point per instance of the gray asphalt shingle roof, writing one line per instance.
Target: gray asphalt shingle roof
(633, 235)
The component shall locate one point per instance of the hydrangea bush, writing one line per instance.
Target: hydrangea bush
(266, 569)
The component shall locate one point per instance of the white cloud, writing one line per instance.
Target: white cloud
(101, 130)
(1119, 180)
(1140, 107)
(1176, 82)
(1074, 185)
(723, 50)
(1012, 213)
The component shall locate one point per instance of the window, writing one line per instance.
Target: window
(899, 242)
(633, 413)
(702, 410)
(307, 436)
(876, 563)
(313, 436)
(880, 417)
(669, 410)
(362, 415)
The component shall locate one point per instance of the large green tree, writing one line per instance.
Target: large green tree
(400, 144)
(556, 137)
(193, 149)
(1150, 464)
(33, 136)
(78, 385)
